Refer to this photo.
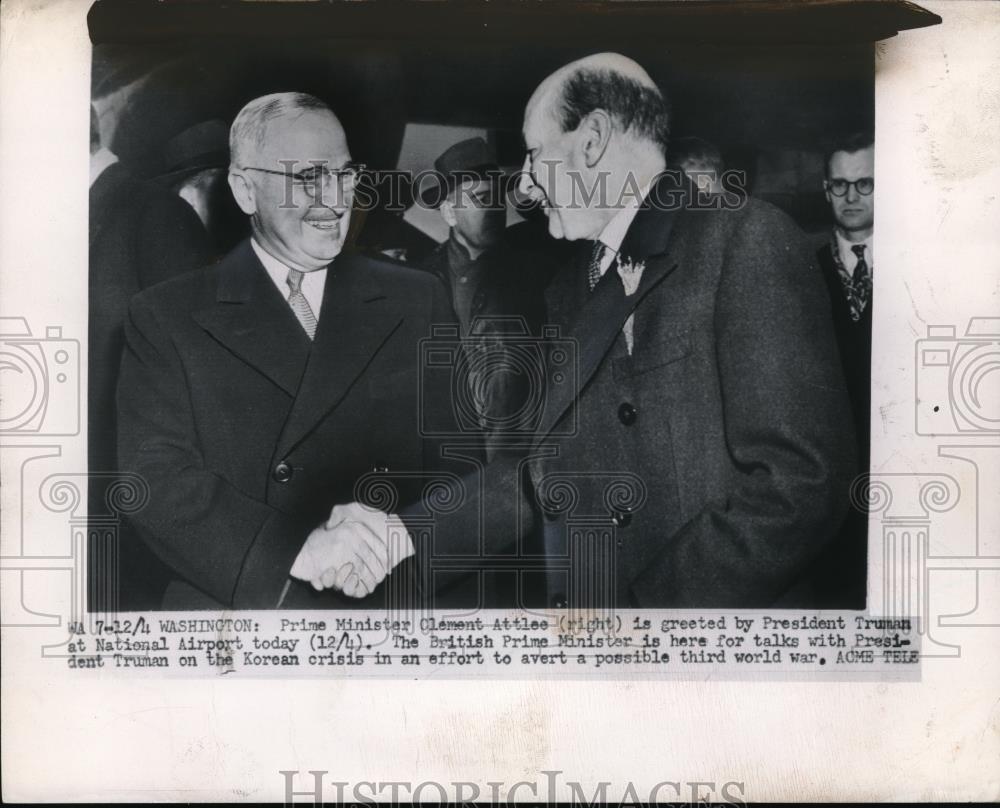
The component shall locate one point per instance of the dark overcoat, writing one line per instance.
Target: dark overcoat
(706, 469)
(140, 234)
(247, 433)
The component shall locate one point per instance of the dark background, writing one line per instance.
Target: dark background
(773, 109)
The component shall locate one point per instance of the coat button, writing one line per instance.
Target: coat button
(620, 519)
(282, 472)
(627, 414)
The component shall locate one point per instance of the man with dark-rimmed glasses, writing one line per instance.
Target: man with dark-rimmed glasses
(847, 261)
(255, 394)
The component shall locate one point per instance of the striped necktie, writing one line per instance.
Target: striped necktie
(299, 304)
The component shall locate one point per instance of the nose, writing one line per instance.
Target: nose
(852, 193)
(333, 192)
(526, 184)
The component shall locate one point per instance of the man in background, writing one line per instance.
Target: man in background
(700, 160)
(195, 164)
(847, 262)
(481, 273)
(495, 287)
(140, 234)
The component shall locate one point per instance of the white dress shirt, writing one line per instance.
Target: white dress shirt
(847, 257)
(312, 282)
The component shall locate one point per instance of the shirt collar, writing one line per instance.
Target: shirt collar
(312, 282)
(847, 255)
(100, 160)
(275, 268)
(614, 231)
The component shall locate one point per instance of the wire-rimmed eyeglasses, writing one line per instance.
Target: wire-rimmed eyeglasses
(311, 178)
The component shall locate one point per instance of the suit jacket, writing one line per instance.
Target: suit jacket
(840, 576)
(707, 468)
(140, 234)
(854, 341)
(248, 433)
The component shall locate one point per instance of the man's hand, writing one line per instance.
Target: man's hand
(349, 558)
(387, 527)
(354, 551)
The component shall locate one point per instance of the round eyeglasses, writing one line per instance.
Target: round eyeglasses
(863, 185)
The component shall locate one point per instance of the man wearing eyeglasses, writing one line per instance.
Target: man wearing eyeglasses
(256, 393)
(847, 262)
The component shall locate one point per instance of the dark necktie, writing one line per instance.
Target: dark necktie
(859, 292)
(594, 267)
(299, 304)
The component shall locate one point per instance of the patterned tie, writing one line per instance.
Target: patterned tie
(299, 304)
(859, 292)
(594, 268)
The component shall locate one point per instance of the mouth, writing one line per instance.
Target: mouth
(324, 225)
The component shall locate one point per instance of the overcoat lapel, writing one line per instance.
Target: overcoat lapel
(602, 313)
(253, 321)
(355, 321)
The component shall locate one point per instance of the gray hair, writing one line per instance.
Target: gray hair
(621, 88)
(249, 127)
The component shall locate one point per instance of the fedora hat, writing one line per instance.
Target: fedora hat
(466, 160)
(199, 147)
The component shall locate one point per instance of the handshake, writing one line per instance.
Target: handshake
(354, 551)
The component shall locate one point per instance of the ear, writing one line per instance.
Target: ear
(243, 192)
(448, 212)
(595, 131)
(828, 195)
